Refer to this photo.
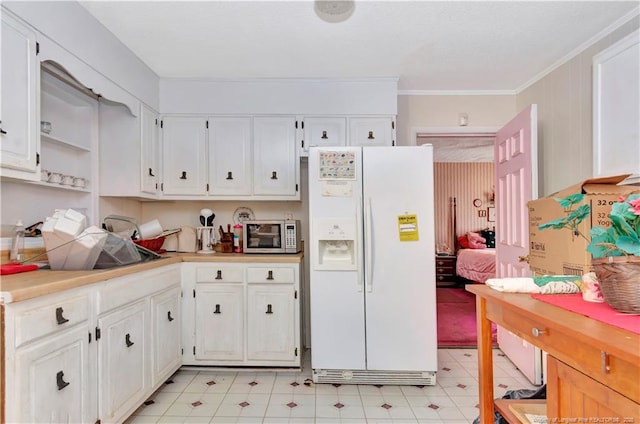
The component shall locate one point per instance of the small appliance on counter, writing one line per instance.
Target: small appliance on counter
(272, 236)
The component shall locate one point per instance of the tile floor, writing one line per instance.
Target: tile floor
(222, 396)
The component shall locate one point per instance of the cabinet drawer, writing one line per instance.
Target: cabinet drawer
(270, 275)
(449, 263)
(594, 361)
(44, 320)
(219, 274)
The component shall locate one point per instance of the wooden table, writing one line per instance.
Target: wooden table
(593, 368)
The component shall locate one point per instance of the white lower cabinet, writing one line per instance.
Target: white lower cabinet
(122, 353)
(242, 314)
(52, 380)
(166, 323)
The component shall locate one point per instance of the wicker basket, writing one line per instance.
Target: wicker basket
(619, 278)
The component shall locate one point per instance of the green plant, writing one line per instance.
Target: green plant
(622, 238)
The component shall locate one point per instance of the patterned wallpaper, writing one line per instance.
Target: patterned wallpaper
(465, 181)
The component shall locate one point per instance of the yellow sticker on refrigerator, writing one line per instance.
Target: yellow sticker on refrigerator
(408, 227)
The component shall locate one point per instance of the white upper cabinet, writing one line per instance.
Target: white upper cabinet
(371, 131)
(276, 171)
(150, 151)
(184, 160)
(19, 124)
(230, 156)
(323, 131)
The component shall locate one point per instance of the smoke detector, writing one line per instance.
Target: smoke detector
(334, 11)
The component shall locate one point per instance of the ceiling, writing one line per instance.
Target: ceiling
(428, 45)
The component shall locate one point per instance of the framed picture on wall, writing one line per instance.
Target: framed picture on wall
(491, 214)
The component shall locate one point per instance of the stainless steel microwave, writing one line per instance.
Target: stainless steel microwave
(271, 236)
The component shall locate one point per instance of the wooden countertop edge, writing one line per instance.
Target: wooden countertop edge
(29, 285)
(597, 333)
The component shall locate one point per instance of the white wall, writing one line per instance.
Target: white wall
(565, 127)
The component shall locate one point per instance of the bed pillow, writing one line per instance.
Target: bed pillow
(476, 241)
(463, 242)
(490, 237)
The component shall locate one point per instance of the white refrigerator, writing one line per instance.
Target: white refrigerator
(372, 265)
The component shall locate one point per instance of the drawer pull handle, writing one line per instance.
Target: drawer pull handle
(151, 172)
(270, 275)
(229, 175)
(60, 380)
(219, 275)
(604, 362)
(217, 310)
(184, 175)
(371, 136)
(169, 317)
(59, 317)
(324, 135)
(274, 175)
(269, 310)
(537, 332)
(127, 340)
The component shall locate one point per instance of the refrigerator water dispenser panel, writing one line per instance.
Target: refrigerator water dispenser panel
(336, 245)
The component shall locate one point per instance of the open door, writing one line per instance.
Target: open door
(516, 181)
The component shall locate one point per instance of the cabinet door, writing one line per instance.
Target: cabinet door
(229, 156)
(371, 131)
(271, 322)
(275, 158)
(184, 160)
(150, 150)
(122, 361)
(323, 131)
(166, 325)
(53, 384)
(19, 120)
(219, 323)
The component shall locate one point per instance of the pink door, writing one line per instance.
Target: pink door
(516, 184)
(516, 179)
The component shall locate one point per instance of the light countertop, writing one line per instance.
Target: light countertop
(28, 285)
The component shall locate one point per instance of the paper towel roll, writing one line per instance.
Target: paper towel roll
(150, 229)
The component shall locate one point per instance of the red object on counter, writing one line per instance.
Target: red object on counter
(154, 244)
(16, 267)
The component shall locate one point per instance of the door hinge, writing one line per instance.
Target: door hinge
(181, 293)
(296, 188)
(207, 124)
(156, 121)
(207, 187)
(161, 123)
(296, 352)
(98, 335)
(162, 187)
(295, 294)
(37, 48)
(89, 336)
(296, 124)
(181, 351)
(194, 292)
(37, 159)
(194, 351)
(302, 124)
(156, 186)
(302, 144)
(393, 125)
(393, 142)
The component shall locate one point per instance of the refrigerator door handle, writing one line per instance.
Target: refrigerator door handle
(357, 248)
(368, 276)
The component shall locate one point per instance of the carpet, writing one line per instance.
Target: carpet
(457, 318)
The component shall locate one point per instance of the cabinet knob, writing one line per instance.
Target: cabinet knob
(217, 310)
(537, 332)
(229, 175)
(371, 136)
(169, 317)
(184, 175)
(219, 275)
(269, 309)
(60, 380)
(270, 275)
(151, 172)
(2, 131)
(324, 135)
(127, 340)
(59, 317)
(274, 175)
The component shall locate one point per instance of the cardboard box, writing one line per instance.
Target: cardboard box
(560, 252)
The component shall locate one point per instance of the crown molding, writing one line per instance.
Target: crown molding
(456, 93)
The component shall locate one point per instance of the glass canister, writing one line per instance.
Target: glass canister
(237, 238)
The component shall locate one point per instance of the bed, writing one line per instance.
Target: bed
(476, 264)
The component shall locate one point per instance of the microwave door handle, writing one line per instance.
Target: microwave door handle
(368, 216)
(358, 249)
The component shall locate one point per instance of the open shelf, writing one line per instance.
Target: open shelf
(64, 143)
(57, 186)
